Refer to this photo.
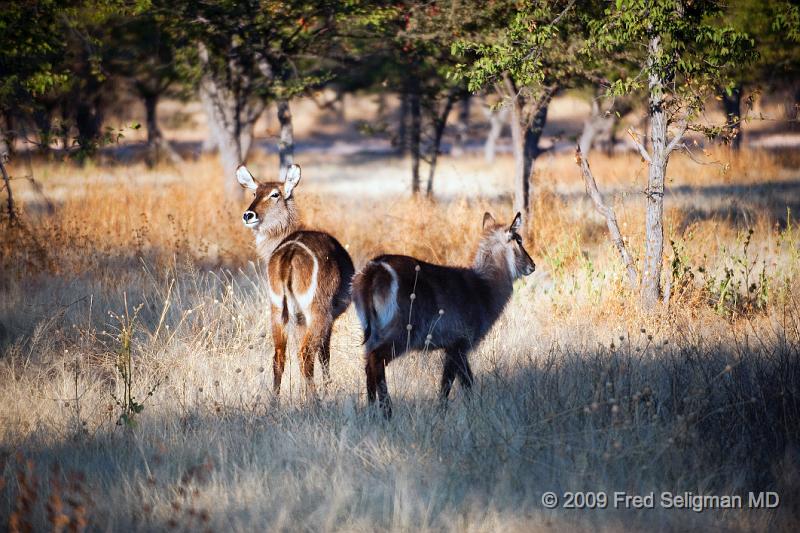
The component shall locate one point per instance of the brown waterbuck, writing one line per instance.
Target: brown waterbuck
(309, 273)
(407, 304)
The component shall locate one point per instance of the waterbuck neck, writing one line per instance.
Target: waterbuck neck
(270, 235)
(493, 266)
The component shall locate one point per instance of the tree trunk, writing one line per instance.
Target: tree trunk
(416, 135)
(157, 145)
(732, 105)
(286, 141)
(462, 126)
(441, 123)
(88, 120)
(497, 119)
(521, 183)
(42, 117)
(5, 145)
(12, 213)
(8, 139)
(654, 223)
(232, 112)
(402, 131)
(527, 126)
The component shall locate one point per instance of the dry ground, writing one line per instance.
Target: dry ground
(144, 276)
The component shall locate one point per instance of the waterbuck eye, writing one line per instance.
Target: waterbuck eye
(275, 194)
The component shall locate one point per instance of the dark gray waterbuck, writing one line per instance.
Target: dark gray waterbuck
(309, 274)
(407, 304)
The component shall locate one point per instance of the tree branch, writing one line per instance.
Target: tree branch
(673, 144)
(610, 216)
(639, 146)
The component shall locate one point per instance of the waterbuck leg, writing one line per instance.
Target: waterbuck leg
(309, 346)
(376, 381)
(448, 375)
(455, 364)
(325, 353)
(279, 358)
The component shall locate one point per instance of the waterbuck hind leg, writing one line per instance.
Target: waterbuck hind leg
(448, 375)
(279, 358)
(309, 347)
(455, 365)
(376, 381)
(325, 353)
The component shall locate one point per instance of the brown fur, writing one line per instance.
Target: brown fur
(310, 300)
(453, 308)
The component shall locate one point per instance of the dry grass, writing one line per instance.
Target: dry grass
(576, 390)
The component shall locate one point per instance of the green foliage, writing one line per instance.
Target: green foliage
(275, 49)
(31, 52)
(536, 43)
(693, 50)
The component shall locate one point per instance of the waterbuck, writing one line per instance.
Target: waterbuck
(404, 303)
(309, 273)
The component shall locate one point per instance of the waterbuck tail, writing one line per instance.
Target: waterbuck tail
(375, 297)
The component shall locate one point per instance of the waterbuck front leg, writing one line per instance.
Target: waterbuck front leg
(455, 364)
(279, 338)
(376, 380)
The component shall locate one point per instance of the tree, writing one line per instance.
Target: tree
(682, 57)
(425, 41)
(527, 53)
(774, 25)
(145, 53)
(29, 67)
(411, 41)
(248, 54)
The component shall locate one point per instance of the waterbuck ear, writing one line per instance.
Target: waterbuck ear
(516, 224)
(488, 220)
(246, 179)
(292, 179)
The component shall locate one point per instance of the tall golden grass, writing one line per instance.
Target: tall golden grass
(576, 389)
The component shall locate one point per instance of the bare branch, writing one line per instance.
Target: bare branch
(610, 216)
(639, 146)
(673, 144)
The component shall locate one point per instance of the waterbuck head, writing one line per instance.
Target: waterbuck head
(272, 211)
(501, 249)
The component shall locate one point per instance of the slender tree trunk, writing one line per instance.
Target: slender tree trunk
(462, 126)
(44, 124)
(88, 120)
(7, 140)
(521, 183)
(732, 105)
(416, 134)
(527, 125)
(12, 214)
(654, 223)
(441, 123)
(497, 120)
(402, 124)
(792, 107)
(286, 141)
(5, 148)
